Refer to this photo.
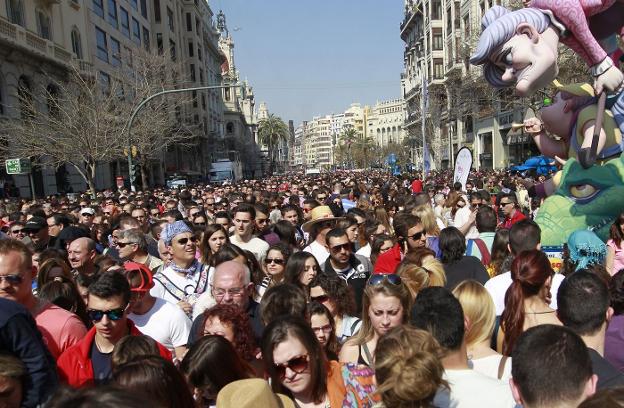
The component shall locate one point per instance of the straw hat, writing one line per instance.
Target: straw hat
(253, 392)
(319, 214)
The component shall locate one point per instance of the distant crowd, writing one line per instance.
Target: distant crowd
(350, 289)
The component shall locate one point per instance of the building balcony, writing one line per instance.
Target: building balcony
(19, 37)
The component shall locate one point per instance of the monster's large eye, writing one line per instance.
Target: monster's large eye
(582, 190)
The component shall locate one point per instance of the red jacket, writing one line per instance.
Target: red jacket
(508, 222)
(75, 367)
(388, 261)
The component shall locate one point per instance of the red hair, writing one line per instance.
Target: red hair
(529, 272)
(238, 320)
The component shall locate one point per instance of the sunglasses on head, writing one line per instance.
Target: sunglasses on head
(113, 314)
(379, 278)
(183, 241)
(276, 261)
(12, 279)
(338, 248)
(297, 364)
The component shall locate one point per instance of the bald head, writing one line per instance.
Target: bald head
(81, 253)
(231, 284)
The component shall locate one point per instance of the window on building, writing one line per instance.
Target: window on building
(226, 92)
(24, 96)
(172, 49)
(125, 22)
(15, 12)
(102, 44)
(98, 7)
(192, 68)
(105, 82)
(144, 8)
(194, 99)
(128, 53)
(467, 26)
(456, 20)
(189, 22)
(159, 43)
(76, 43)
(44, 25)
(201, 76)
(437, 39)
(436, 10)
(115, 52)
(438, 68)
(134, 4)
(52, 94)
(191, 49)
(229, 128)
(170, 19)
(199, 53)
(157, 10)
(136, 31)
(146, 39)
(197, 26)
(112, 13)
(449, 16)
(203, 99)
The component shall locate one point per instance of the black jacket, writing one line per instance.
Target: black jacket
(356, 277)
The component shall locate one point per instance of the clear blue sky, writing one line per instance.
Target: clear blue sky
(313, 57)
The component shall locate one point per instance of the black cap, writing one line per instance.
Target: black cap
(35, 224)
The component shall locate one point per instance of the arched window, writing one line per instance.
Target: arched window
(229, 128)
(76, 43)
(15, 12)
(24, 94)
(44, 25)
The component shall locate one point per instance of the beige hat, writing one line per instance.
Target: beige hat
(319, 214)
(253, 392)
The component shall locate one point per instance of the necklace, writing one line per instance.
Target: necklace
(537, 313)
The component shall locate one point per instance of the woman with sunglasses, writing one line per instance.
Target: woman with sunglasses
(213, 240)
(297, 366)
(386, 304)
(274, 266)
(301, 269)
(334, 293)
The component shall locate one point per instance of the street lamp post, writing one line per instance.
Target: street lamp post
(144, 102)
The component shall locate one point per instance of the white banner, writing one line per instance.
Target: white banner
(463, 164)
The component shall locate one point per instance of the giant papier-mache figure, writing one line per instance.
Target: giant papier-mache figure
(519, 49)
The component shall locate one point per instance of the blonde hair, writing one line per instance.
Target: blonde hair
(385, 288)
(408, 367)
(427, 218)
(479, 308)
(431, 273)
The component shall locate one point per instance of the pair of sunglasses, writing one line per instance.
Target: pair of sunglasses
(417, 235)
(319, 299)
(379, 278)
(276, 261)
(113, 314)
(297, 364)
(347, 247)
(123, 244)
(183, 241)
(12, 279)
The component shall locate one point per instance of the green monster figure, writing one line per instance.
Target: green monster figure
(584, 199)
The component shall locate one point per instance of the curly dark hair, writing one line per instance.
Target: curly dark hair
(338, 291)
(233, 316)
(452, 245)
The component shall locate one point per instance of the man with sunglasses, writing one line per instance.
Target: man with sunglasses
(89, 361)
(322, 220)
(263, 225)
(410, 235)
(508, 203)
(350, 267)
(184, 278)
(132, 246)
(37, 230)
(60, 329)
(155, 317)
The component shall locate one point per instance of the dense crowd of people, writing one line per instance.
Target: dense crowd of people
(350, 289)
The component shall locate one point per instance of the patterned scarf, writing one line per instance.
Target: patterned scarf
(190, 272)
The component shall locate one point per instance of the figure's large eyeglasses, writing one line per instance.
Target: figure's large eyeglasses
(184, 241)
(297, 364)
(113, 314)
(234, 292)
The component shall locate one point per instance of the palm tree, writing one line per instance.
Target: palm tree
(347, 138)
(363, 148)
(271, 131)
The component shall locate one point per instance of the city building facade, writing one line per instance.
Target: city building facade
(384, 122)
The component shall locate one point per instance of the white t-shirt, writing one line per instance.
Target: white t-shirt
(471, 389)
(498, 285)
(187, 284)
(319, 251)
(255, 245)
(164, 322)
(365, 251)
(489, 366)
(461, 217)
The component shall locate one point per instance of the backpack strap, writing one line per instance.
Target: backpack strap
(501, 366)
(493, 341)
(354, 325)
(485, 253)
(469, 246)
